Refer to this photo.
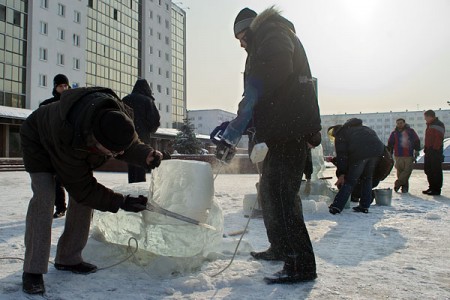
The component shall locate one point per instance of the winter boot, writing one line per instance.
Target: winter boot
(361, 209)
(269, 254)
(334, 210)
(33, 283)
(426, 191)
(81, 268)
(291, 274)
(405, 189)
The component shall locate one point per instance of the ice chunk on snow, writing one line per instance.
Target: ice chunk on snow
(184, 187)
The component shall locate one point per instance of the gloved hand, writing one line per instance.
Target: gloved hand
(314, 139)
(156, 159)
(216, 134)
(224, 151)
(134, 204)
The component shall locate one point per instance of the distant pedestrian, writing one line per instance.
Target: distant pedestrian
(405, 144)
(358, 150)
(60, 84)
(146, 121)
(434, 148)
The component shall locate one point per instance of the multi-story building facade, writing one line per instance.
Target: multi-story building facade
(383, 123)
(13, 52)
(56, 44)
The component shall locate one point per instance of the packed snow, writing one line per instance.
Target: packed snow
(394, 252)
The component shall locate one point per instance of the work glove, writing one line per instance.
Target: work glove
(134, 204)
(224, 151)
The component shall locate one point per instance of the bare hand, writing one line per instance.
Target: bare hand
(340, 182)
(151, 156)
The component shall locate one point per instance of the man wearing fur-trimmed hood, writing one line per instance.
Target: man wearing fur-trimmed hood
(280, 106)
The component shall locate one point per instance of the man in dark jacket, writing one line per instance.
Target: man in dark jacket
(146, 121)
(71, 138)
(280, 105)
(405, 144)
(60, 84)
(434, 148)
(358, 150)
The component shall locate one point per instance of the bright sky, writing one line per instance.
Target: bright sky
(368, 55)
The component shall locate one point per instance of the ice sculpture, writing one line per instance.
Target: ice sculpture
(184, 187)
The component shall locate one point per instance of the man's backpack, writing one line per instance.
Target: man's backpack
(384, 166)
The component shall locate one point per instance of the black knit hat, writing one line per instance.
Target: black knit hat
(243, 20)
(60, 79)
(114, 130)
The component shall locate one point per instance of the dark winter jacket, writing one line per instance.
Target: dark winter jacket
(55, 139)
(279, 96)
(146, 115)
(355, 142)
(434, 138)
(404, 142)
(56, 97)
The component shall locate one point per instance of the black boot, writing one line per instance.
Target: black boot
(33, 283)
(426, 191)
(81, 268)
(292, 274)
(269, 254)
(361, 209)
(334, 210)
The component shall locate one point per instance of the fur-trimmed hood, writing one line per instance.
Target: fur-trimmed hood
(271, 14)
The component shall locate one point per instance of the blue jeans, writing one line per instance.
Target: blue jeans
(362, 170)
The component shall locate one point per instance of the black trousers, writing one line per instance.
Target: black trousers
(60, 196)
(433, 169)
(282, 212)
(136, 174)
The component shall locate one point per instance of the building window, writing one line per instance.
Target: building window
(167, 6)
(159, 71)
(42, 80)
(167, 74)
(44, 28)
(44, 4)
(151, 14)
(159, 53)
(167, 91)
(167, 56)
(116, 14)
(60, 59)
(167, 40)
(2, 13)
(151, 31)
(158, 88)
(159, 2)
(76, 40)
(61, 10)
(159, 106)
(150, 50)
(167, 24)
(159, 19)
(159, 35)
(43, 54)
(167, 108)
(61, 34)
(90, 3)
(77, 16)
(151, 68)
(76, 63)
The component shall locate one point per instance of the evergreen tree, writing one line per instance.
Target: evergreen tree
(185, 141)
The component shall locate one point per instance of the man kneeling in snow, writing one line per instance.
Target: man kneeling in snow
(71, 138)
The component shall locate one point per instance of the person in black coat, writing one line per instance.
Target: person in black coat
(146, 121)
(358, 150)
(60, 84)
(280, 106)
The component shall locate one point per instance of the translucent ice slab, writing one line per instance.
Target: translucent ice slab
(184, 187)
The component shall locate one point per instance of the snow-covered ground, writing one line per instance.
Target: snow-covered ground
(397, 252)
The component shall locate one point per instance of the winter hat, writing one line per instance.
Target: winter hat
(60, 79)
(243, 20)
(114, 130)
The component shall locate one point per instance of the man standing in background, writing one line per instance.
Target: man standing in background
(434, 148)
(60, 84)
(405, 144)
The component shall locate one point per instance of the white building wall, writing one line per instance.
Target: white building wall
(157, 56)
(50, 41)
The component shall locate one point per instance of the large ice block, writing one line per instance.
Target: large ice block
(184, 187)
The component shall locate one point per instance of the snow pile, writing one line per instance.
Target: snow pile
(184, 187)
